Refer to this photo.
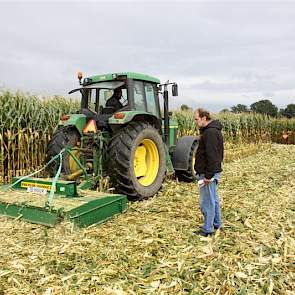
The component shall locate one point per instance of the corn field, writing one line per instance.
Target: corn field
(27, 123)
(26, 126)
(244, 127)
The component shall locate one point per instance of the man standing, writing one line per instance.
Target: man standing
(208, 168)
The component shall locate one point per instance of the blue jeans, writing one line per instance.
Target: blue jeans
(210, 205)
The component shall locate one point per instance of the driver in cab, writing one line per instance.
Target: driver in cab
(114, 100)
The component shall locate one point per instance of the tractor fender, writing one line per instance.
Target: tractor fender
(181, 154)
(130, 116)
(77, 121)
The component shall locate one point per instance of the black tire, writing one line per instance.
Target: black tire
(124, 147)
(189, 175)
(63, 137)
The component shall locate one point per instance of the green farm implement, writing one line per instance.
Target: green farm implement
(118, 137)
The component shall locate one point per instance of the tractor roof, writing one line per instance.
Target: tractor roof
(130, 75)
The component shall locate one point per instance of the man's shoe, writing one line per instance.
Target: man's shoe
(201, 233)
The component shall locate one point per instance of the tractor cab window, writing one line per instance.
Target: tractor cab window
(106, 95)
(151, 99)
(88, 99)
(139, 96)
(92, 96)
(95, 96)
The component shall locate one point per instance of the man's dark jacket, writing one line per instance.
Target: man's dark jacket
(210, 150)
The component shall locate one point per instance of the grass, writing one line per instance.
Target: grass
(151, 248)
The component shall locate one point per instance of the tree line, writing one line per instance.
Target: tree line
(264, 106)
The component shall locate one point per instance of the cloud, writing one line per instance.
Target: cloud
(220, 53)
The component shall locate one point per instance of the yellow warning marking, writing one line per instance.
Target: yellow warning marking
(39, 185)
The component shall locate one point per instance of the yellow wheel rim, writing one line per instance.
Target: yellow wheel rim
(146, 162)
(193, 162)
(72, 164)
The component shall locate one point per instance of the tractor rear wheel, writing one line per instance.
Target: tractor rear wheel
(137, 160)
(190, 174)
(62, 138)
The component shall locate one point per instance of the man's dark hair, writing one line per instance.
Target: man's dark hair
(203, 113)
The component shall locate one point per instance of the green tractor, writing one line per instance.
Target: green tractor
(123, 137)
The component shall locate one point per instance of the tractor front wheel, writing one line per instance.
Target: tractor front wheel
(137, 160)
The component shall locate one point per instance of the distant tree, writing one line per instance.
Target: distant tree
(281, 113)
(184, 107)
(224, 111)
(289, 111)
(264, 106)
(239, 108)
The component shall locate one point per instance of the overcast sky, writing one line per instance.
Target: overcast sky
(221, 53)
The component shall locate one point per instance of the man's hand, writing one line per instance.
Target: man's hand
(207, 181)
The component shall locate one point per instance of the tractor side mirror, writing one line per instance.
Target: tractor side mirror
(175, 90)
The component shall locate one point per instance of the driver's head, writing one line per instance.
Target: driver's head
(118, 92)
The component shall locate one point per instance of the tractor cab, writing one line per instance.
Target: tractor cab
(104, 95)
(99, 101)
